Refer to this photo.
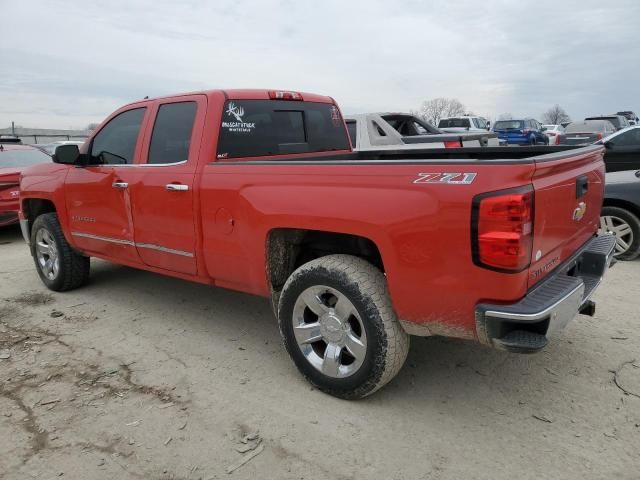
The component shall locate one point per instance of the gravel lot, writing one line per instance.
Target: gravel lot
(143, 376)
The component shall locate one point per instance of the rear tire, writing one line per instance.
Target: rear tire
(626, 227)
(60, 267)
(339, 327)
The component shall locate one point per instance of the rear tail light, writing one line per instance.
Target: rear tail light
(557, 139)
(502, 229)
(599, 135)
(284, 95)
(453, 144)
(525, 131)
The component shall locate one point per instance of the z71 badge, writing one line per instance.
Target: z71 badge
(449, 178)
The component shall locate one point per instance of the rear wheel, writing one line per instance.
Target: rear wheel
(626, 228)
(59, 266)
(339, 327)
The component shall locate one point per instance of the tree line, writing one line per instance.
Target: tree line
(432, 111)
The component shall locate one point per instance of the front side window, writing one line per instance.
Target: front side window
(253, 128)
(171, 135)
(115, 144)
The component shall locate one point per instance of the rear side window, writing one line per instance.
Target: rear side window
(115, 143)
(172, 133)
(254, 128)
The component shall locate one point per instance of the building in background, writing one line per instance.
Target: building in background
(44, 135)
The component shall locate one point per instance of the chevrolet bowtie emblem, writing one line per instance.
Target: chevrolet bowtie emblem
(579, 212)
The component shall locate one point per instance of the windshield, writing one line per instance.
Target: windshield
(508, 125)
(22, 158)
(454, 123)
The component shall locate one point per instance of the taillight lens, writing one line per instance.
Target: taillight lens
(502, 229)
(284, 95)
(599, 136)
(453, 144)
(525, 131)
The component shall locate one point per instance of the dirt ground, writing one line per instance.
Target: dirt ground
(143, 376)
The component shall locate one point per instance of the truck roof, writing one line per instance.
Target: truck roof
(243, 94)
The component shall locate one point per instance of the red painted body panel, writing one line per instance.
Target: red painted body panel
(423, 231)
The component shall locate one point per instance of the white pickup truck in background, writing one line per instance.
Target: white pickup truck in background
(400, 131)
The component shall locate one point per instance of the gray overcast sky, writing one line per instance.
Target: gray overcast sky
(67, 63)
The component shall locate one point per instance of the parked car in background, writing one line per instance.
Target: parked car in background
(49, 148)
(466, 123)
(402, 131)
(10, 139)
(632, 118)
(13, 159)
(553, 132)
(618, 121)
(527, 131)
(620, 213)
(586, 131)
(623, 150)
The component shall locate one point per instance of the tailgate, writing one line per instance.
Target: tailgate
(569, 188)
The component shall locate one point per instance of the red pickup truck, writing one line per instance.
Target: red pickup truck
(259, 191)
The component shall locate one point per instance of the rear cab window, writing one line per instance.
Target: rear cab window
(257, 128)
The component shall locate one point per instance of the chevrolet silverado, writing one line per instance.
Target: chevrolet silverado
(259, 191)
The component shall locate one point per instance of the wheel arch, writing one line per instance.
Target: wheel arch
(288, 248)
(32, 208)
(627, 205)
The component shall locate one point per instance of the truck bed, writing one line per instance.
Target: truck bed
(507, 154)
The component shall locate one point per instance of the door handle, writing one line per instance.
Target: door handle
(176, 187)
(582, 185)
(121, 185)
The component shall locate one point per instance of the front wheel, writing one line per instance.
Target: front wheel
(339, 326)
(626, 228)
(60, 267)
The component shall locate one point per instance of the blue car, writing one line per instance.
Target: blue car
(520, 132)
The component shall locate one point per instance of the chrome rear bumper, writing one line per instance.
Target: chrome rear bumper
(525, 326)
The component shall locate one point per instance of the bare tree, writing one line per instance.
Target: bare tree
(505, 116)
(435, 109)
(555, 115)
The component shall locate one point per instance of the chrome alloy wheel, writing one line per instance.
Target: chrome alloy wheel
(329, 331)
(621, 229)
(47, 254)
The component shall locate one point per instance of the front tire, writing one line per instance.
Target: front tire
(626, 228)
(339, 326)
(60, 267)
